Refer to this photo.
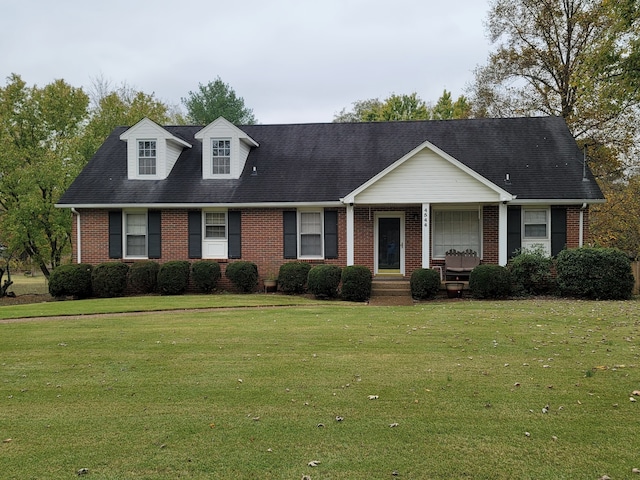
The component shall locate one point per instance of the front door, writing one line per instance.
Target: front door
(389, 244)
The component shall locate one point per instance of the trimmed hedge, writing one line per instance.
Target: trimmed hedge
(71, 281)
(490, 281)
(356, 283)
(594, 273)
(425, 283)
(531, 273)
(143, 277)
(205, 274)
(173, 277)
(323, 280)
(243, 274)
(292, 277)
(109, 280)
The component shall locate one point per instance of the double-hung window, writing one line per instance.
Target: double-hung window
(215, 225)
(456, 229)
(310, 234)
(221, 156)
(147, 157)
(535, 224)
(136, 234)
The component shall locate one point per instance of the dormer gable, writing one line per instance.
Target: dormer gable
(225, 149)
(152, 151)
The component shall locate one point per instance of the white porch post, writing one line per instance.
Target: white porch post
(350, 236)
(503, 255)
(426, 240)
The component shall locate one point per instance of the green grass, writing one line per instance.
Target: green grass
(239, 393)
(23, 284)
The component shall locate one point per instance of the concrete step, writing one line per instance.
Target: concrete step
(390, 286)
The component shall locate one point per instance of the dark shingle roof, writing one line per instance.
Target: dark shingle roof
(324, 162)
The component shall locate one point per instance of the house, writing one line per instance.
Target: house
(394, 196)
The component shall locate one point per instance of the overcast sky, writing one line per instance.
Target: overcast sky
(293, 61)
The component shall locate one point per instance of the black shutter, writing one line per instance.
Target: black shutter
(115, 234)
(514, 231)
(155, 236)
(558, 230)
(289, 227)
(195, 234)
(330, 234)
(235, 234)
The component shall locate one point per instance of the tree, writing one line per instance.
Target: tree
(446, 109)
(39, 157)
(616, 223)
(404, 107)
(577, 59)
(121, 106)
(217, 99)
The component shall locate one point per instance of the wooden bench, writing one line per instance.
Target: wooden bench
(459, 264)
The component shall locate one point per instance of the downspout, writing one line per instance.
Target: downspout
(581, 234)
(79, 237)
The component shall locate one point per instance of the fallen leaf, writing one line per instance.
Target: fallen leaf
(7, 440)
(393, 425)
(313, 463)
(636, 392)
(373, 397)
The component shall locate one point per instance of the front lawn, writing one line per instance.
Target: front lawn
(438, 390)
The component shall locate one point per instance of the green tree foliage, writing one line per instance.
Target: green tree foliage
(405, 107)
(577, 59)
(616, 223)
(217, 99)
(39, 157)
(122, 106)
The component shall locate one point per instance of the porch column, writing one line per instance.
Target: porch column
(426, 240)
(350, 236)
(503, 255)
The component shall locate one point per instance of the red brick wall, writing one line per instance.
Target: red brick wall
(262, 236)
(262, 239)
(490, 228)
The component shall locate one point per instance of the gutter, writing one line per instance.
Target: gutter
(79, 237)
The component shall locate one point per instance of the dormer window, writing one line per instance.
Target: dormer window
(225, 149)
(221, 156)
(152, 150)
(146, 157)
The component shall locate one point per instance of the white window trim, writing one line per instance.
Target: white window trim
(220, 245)
(125, 214)
(299, 234)
(146, 175)
(461, 208)
(231, 157)
(547, 211)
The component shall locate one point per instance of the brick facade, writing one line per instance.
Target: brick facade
(262, 236)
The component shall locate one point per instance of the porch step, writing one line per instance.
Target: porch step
(390, 286)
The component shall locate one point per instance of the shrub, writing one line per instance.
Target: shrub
(143, 277)
(173, 277)
(109, 279)
(292, 277)
(425, 283)
(356, 283)
(490, 281)
(531, 273)
(205, 275)
(244, 275)
(594, 273)
(71, 281)
(323, 280)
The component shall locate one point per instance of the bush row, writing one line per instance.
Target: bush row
(587, 272)
(591, 273)
(352, 283)
(114, 279)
